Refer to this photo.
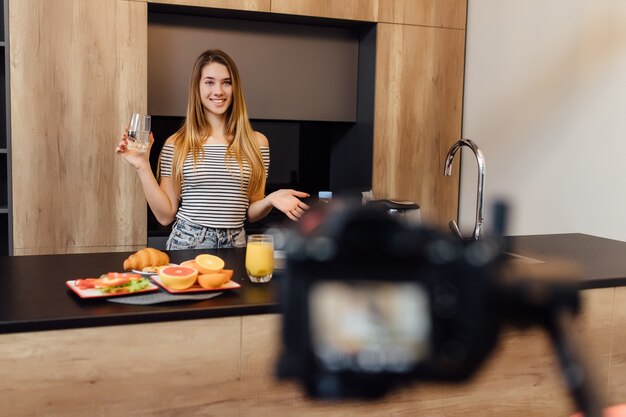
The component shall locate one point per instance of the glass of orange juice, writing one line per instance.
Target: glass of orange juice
(260, 258)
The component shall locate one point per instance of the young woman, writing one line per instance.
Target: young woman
(213, 170)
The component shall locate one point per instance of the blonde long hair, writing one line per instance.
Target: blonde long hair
(244, 147)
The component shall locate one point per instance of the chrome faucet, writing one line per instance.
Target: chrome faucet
(480, 159)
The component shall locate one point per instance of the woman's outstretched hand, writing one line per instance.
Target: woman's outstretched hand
(288, 201)
(132, 156)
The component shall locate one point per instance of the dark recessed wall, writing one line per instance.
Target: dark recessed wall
(288, 71)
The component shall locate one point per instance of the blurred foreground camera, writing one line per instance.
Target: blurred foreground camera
(370, 303)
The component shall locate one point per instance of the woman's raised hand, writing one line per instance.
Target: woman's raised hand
(133, 156)
(287, 201)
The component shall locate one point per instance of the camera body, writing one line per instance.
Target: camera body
(370, 302)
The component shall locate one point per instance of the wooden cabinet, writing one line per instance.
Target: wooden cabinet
(438, 13)
(5, 137)
(226, 367)
(180, 368)
(617, 365)
(249, 5)
(366, 10)
(419, 90)
(78, 71)
(79, 68)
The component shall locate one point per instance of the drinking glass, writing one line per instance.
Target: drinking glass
(139, 132)
(260, 258)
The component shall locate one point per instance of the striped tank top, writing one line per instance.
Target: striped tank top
(212, 194)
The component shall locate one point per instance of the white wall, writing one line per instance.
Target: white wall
(545, 99)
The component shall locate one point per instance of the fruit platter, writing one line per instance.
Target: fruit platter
(204, 273)
(150, 269)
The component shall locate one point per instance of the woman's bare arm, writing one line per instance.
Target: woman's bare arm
(163, 198)
(286, 200)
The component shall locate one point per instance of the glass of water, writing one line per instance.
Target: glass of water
(139, 132)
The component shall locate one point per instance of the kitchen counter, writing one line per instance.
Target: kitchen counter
(603, 261)
(34, 295)
(218, 357)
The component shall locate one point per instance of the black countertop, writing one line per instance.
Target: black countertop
(603, 261)
(33, 294)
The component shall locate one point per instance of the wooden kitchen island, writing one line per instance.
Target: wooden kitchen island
(64, 356)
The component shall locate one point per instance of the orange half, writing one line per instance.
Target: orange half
(209, 264)
(215, 280)
(178, 277)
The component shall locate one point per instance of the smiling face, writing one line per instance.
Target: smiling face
(216, 89)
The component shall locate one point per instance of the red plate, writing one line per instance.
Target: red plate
(230, 285)
(96, 293)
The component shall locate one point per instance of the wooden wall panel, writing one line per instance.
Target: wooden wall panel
(78, 69)
(596, 329)
(439, 13)
(77, 249)
(225, 367)
(366, 10)
(419, 90)
(182, 368)
(250, 5)
(617, 377)
(520, 379)
(523, 377)
(264, 396)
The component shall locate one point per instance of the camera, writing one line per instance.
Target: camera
(371, 303)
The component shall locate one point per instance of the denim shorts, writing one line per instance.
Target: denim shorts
(188, 235)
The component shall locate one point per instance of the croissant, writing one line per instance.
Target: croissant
(146, 257)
